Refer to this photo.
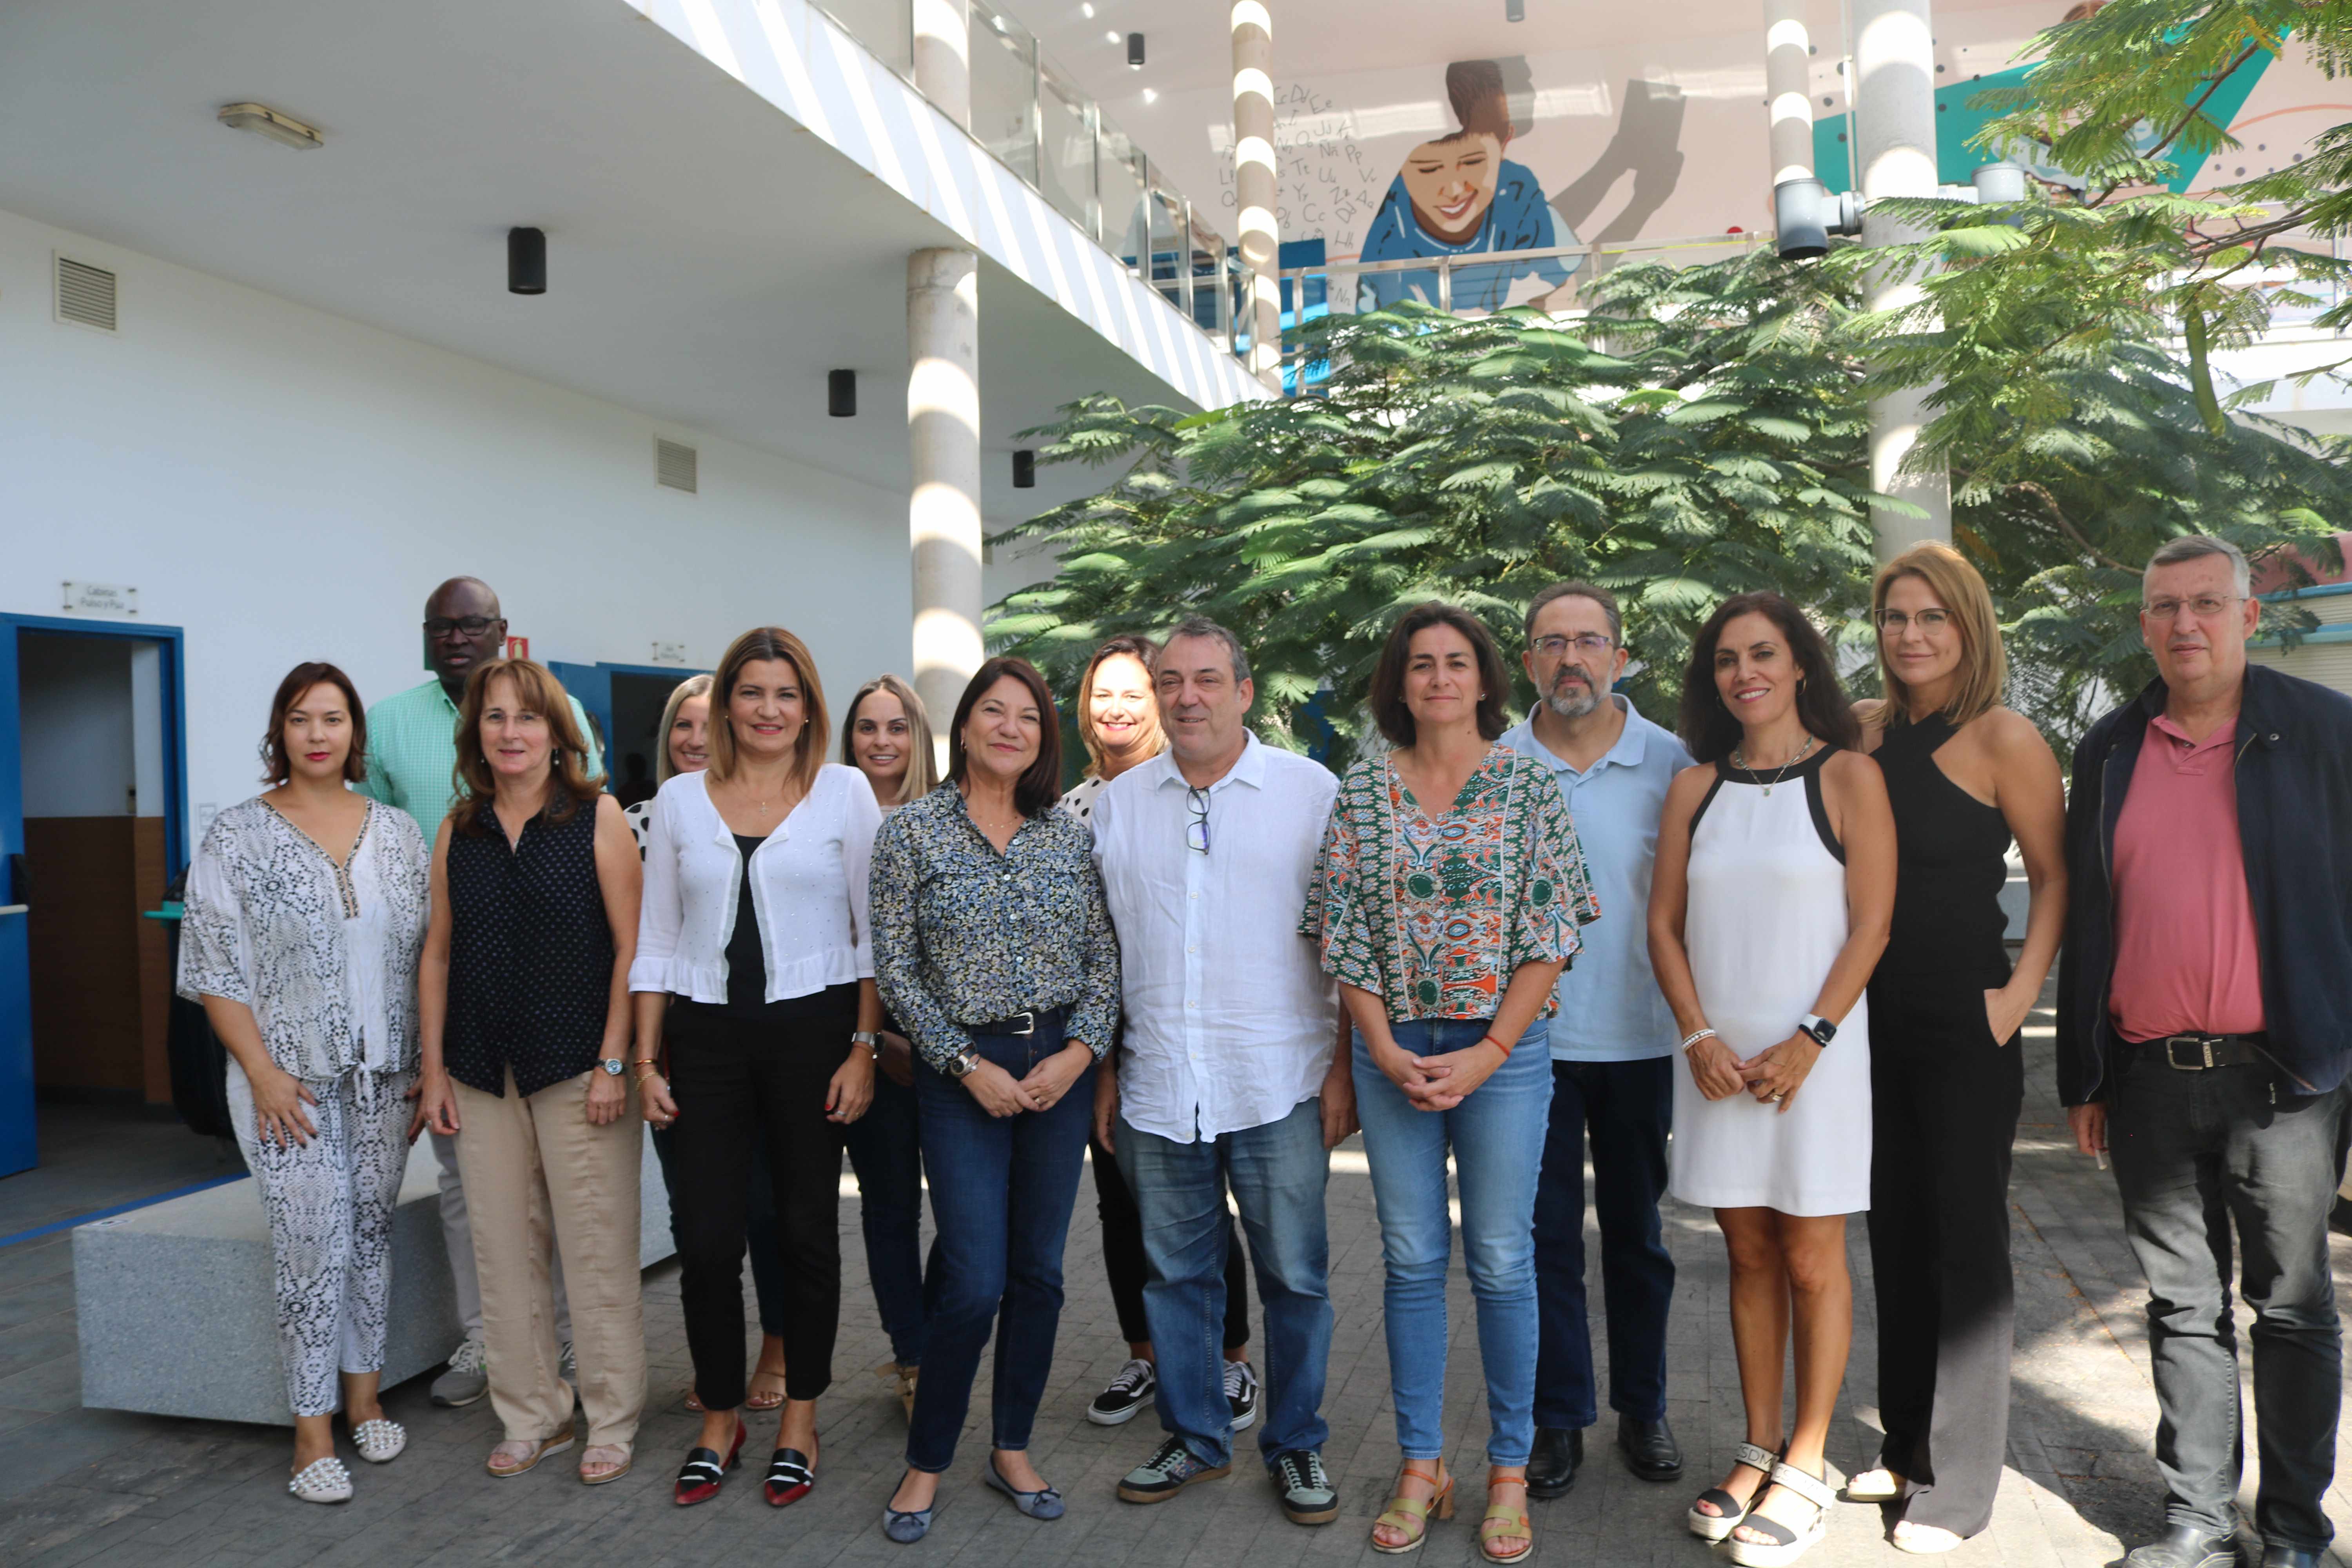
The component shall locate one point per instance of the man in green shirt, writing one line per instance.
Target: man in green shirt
(412, 737)
(412, 763)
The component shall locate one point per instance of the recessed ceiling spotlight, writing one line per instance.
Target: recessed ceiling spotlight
(1150, 95)
(1135, 50)
(1086, 11)
(1112, 37)
(264, 121)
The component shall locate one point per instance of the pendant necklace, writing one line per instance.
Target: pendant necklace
(1740, 762)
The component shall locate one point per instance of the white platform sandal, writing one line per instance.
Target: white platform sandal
(1716, 1526)
(322, 1480)
(1787, 1545)
(380, 1441)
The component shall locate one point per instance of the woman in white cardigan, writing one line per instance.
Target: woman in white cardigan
(754, 974)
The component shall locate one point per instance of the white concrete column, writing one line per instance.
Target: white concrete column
(943, 56)
(943, 526)
(1894, 135)
(1254, 183)
(1787, 83)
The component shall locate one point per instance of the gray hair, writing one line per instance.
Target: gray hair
(1598, 595)
(1203, 627)
(2197, 547)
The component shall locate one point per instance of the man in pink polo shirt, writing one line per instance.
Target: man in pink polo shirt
(2204, 1035)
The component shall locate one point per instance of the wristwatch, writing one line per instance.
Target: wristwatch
(869, 1039)
(1820, 1028)
(614, 1065)
(964, 1063)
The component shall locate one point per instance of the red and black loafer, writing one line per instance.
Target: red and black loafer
(698, 1479)
(791, 1475)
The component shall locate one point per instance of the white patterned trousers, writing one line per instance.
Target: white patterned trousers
(330, 1202)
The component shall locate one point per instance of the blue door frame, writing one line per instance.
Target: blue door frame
(19, 1149)
(592, 685)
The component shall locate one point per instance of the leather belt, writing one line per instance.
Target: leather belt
(1020, 1025)
(2197, 1053)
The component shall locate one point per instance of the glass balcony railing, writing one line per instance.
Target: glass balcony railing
(1033, 118)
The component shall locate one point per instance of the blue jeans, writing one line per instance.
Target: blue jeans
(886, 1150)
(1497, 1136)
(767, 1255)
(1277, 1173)
(1001, 1189)
(1627, 1108)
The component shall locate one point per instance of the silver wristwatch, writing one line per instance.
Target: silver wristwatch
(614, 1065)
(869, 1039)
(964, 1063)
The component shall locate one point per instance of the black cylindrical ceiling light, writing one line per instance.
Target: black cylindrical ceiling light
(841, 394)
(1135, 50)
(1024, 469)
(525, 261)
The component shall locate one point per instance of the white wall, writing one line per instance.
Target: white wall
(285, 485)
(77, 724)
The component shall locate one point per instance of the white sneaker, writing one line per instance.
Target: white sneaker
(468, 1377)
(322, 1480)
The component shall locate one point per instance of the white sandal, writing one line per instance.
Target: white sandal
(380, 1441)
(1788, 1544)
(322, 1480)
(1716, 1526)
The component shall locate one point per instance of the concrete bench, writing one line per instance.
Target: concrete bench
(176, 1304)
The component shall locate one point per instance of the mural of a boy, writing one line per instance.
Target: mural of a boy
(1458, 195)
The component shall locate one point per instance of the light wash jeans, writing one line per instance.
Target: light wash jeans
(1497, 1138)
(1278, 1172)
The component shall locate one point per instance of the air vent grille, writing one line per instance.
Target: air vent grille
(84, 294)
(674, 465)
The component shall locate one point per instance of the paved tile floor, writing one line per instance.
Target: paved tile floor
(92, 1487)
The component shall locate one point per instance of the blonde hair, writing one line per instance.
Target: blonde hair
(692, 686)
(766, 643)
(922, 762)
(1144, 651)
(1984, 664)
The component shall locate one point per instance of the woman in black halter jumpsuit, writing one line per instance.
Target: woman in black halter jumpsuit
(1945, 1091)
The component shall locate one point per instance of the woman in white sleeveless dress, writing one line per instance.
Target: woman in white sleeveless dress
(1774, 887)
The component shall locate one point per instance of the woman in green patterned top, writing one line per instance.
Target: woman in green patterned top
(1447, 929)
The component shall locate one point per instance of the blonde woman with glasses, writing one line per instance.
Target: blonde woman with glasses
(1964, 775)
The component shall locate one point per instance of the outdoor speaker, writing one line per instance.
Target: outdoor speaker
(841, 394)
(1024, 469)
(525, 261)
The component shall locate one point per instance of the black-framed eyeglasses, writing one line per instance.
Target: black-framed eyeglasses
(1584, 642)
(471, 626)
(1196, 832)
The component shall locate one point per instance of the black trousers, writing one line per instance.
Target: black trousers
(740, 1082)
(1945, 1098)
(1122, 1246)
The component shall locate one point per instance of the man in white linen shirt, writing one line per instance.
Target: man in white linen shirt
(1230, 1074)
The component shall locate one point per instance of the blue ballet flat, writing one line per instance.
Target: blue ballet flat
(1043, 1503)
(906, 1528)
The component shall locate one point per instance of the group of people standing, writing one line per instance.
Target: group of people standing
(1202, 969)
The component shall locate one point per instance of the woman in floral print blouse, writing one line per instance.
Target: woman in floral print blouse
(1447, 930)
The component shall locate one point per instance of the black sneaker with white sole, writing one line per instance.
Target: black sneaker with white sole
(1242, 1394)
(1126, 1394)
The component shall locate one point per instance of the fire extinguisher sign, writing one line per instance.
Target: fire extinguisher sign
(517, 647)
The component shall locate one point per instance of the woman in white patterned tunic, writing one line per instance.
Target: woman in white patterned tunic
(305, 911)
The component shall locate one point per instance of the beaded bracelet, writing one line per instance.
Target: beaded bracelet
(1695, 1035)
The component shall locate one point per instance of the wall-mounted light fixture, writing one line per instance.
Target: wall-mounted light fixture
(264, 121)
(1515, 10)
(525, 261)
(1024, 469)
(841, 394)
(1135, 50)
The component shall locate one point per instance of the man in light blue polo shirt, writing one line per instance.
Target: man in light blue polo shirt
(1612, 1050)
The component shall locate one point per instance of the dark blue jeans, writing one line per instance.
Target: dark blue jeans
(1626, 1109)
(1002, 1189)
(1278, 1172)
(2196, 1153)
(767, 1259)
(886, 1150)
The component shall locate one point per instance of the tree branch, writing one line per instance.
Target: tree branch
(2065, 525)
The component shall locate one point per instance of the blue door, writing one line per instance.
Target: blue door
(18, 1150)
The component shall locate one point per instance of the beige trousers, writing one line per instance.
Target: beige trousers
(540, 1178)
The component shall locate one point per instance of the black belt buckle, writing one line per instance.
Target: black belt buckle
(2201, 1046)
(1028, 1024)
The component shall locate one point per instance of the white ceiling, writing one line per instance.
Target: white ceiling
(708, 259)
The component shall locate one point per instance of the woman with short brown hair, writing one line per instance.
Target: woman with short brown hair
(523, 996)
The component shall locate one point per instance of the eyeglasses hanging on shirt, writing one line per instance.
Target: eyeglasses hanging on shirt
(1196, 832)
